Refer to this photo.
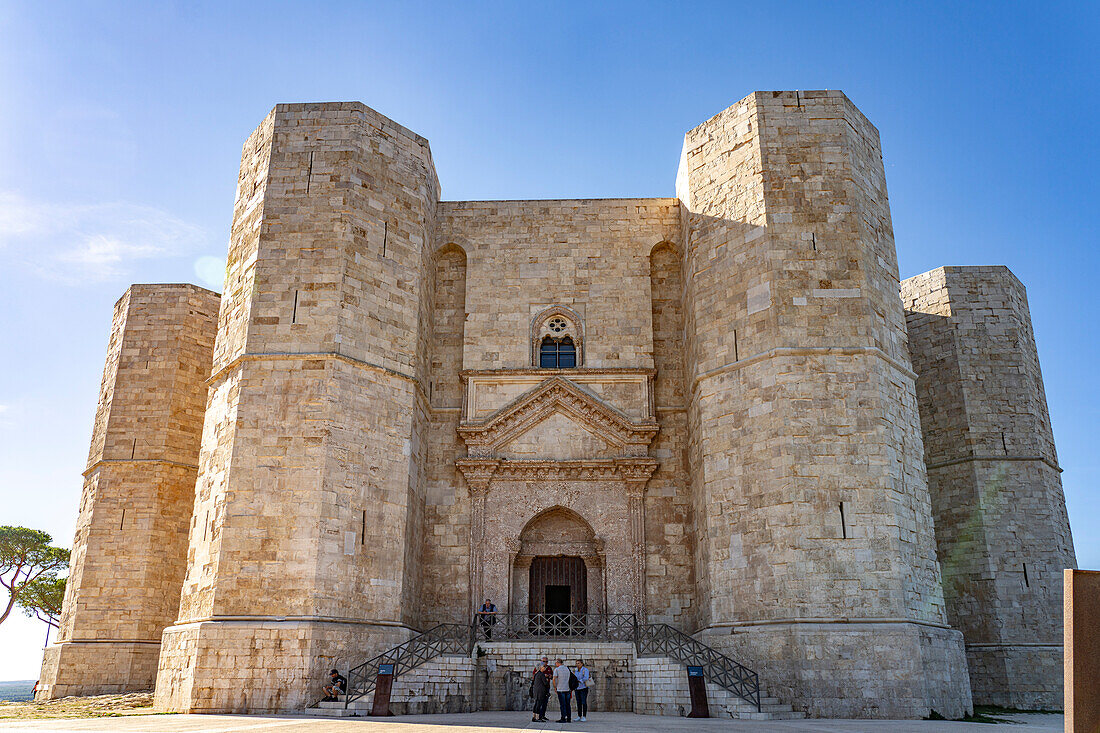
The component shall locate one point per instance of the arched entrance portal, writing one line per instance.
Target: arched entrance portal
(559, 585)
(558, 566)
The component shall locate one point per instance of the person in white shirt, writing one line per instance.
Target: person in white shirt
(561, 686)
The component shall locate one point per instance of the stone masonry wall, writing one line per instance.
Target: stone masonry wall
(811, 499)
(129, 552)
(307, 514)
(505, 673)
(1001, 520)
(518, 259)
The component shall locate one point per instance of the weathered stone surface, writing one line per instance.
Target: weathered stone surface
(1001, 521)
(129, 553)
(705, 404)
(810, 496)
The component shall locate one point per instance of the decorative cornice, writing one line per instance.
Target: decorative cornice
(480, 472)
(582, 371)
(978, 459)
(163, 462)
(557, 394)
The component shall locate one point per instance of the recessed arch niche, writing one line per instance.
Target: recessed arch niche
(558, 532)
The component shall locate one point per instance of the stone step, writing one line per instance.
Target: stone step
(426, 687)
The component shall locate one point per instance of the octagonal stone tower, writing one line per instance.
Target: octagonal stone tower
(129, 553)
(815, 547)
(315, 415)
(1001, 522)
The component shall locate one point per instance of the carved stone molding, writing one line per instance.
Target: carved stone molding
(478, 474)
(484, 438)
(633, 472)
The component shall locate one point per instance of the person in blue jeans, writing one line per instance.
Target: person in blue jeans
(561, 686)
(583, 676)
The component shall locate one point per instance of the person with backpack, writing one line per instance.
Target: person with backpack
(564, 684)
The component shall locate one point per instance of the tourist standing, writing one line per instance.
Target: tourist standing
(488, 615)
(561, 686)
(583, 678)
(543, 666)
(540, 690)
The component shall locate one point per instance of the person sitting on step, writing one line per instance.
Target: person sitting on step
(337, 687)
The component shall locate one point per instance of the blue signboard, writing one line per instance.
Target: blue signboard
(388, 669)
(695, 671)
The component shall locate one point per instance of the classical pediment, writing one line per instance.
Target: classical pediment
(557, 412)
(559, 436)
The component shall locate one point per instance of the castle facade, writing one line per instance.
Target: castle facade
(721, 411)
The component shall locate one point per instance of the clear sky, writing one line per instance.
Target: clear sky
(121, 128)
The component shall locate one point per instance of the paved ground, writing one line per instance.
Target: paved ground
(509, 721)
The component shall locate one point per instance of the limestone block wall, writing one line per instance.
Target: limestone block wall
(444, 685)
(589, 255)
(130, 546)
(1001, 521)
(515, 259)
(308, 503)
(811, 503)
(661, 688)
(504, 673)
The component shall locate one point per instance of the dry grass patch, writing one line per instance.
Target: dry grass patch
(95, 706)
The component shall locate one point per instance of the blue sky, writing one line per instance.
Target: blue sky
(121, 128)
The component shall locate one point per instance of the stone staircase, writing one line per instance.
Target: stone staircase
(661, 688)
(495, 676)
(443, 685)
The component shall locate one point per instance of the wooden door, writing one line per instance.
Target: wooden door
(557, 571)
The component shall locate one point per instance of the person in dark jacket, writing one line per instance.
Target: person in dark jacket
(540, 689)
(338, 686)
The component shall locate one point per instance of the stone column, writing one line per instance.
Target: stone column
(478, 477)
(815, 549)
(635, 491)
(130, 550)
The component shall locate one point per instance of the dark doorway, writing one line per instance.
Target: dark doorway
(557, 599)
(563, 572)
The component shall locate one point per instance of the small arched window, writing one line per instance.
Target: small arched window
(557, 339)
(557, 353)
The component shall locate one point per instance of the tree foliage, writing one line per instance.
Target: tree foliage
(29, 565)
(42, 599)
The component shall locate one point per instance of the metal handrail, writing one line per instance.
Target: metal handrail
(422, 648)
(590, 626)
(665, 640)
(649, 640)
